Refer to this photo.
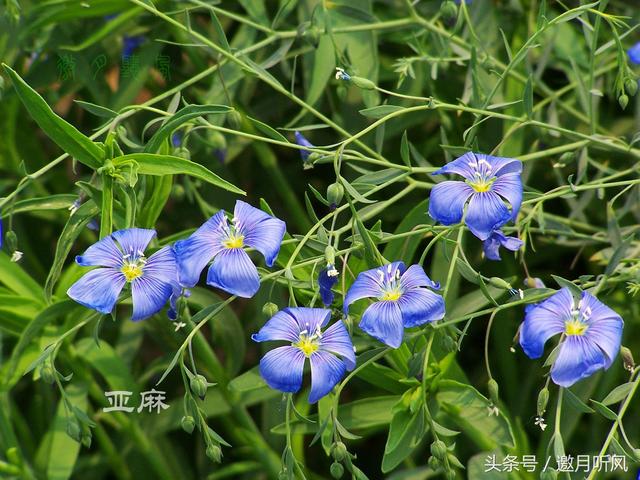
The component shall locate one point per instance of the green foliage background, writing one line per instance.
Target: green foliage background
(542, 82)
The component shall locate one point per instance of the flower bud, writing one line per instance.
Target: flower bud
(433, 463)
(330, 255)
(269, 309)
(73, 430)
(47, 374)
(550, 474)
(448, 10)
(623, 100)
(337, 470)
(188, 423)
(493, 388)
(627, 358)
(339, 451)
(12, 240)
(86, 440)
(363, 83)
(235, 119)
(439, 450)
(566, 157)
(449, 344)
(543, 398)
(214, 452)
(450, 475)
(499, 283)
(335, 192)
(198, 386)
(631, 86)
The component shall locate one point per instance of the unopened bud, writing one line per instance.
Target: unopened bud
(12, 240)
(86, 440)
(439, 450)
(235, 119)
(623, 100)
(337, 470)
(339, 451)
(499, 283)
(493, 388)
(627, 359)
(330, 255)
(363, 83)
(450, 475)
(433, 463)
(214, 452)
(188, 423)
(73, 430)
(269, 309)
(335, 192)
(566, 157)
(198, 385)
(631, 86)
(47, 374)
(543, 399)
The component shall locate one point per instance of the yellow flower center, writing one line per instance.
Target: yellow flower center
(481, 186)
(234, 241)
(307, 345)
(392, 295)
(131, 271)
(575, 327)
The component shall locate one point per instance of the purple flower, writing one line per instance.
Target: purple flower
(327, 278)
(634, 53)
(122, 261)
(217, 240)
(403, 301)
(282, 367)
(303, 142)
(176, 139)
(489, 181)
(592, 335)
(491, 246)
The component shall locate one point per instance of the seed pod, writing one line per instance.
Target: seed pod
(337, 470)
(198, 386)
(439, 450)
(363, 83)
(448, 10)
(543, 398)
(339, 451)
(188, 423)
(623, 100)
(269, 309)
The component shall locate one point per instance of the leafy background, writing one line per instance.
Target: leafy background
(543, 82)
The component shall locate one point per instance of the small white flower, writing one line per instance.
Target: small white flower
(332, 272)
(540, 422)
(179, 325)
(16, 256)
(493, 410)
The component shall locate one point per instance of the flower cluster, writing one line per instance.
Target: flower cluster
(488, 198)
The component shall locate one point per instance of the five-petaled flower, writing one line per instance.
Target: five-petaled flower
(488, 180)
(591, 332)
(327, 278)
(232, 270)
(122, 260)
(282, 367)
(491, 246)
(403, 301)
(634, 53)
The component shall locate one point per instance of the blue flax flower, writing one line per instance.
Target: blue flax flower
(634, 53)
(403, 301)
(282, 367)
(488, 182)
(122, 261)
(327, 278)
(491, 246)
(130, 44)
(232, 270)
(592, 334)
